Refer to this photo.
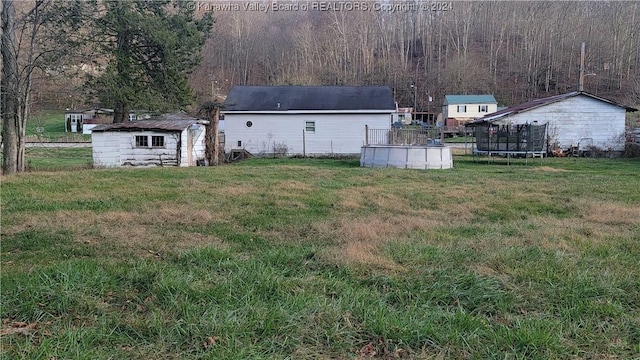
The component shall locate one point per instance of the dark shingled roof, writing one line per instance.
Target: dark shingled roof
(515, 109)
(309, 98)
(168, 122)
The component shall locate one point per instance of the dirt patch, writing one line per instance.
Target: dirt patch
(294, 185)
(548, 169)
(18, 327)
(613, 214)
(362, 240)
(361, 253)
(161, 229)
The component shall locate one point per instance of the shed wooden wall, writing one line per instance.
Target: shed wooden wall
(574, 120)
(334, 133)
(194, 139)
(117, 148)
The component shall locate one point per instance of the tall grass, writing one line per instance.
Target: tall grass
(299, 258)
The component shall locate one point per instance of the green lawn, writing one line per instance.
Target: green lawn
(52, 126)
(56, 159)
(460, 139)
(314, 258)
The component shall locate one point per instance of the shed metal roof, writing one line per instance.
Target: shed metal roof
(309, 98)
(515, 109)
(164, 123)
(469, 99)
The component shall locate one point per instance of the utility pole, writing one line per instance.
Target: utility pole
(415, 102)
(582, 70)
(581, 80)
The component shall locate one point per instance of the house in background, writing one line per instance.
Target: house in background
(403, 115)
(73, 120)
(95, 117)
(575, 119)
(168, 140)
(458, 110)
(304, 120)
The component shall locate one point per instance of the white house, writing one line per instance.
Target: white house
(304, 120)
(95, 117)
(73, 120)
(168, 140)
(403, 115)
(459, 109)
(573, 119)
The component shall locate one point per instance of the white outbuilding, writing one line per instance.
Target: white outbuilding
(304, 120)
(168, 140)
(575, 119)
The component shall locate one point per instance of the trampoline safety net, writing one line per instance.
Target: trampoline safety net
(510, 138)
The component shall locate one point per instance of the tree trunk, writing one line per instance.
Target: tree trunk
(216, 137)
(10, 111)
(120, 112)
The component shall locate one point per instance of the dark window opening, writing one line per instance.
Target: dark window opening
(157, 141)
(142, 141)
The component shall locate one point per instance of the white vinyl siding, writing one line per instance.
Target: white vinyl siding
(335, 133)
(471, 111)
(576, 119)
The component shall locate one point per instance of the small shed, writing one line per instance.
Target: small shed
(304, 120)
(575, 119)
(168, 140)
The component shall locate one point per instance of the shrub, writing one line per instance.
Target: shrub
(631, 150)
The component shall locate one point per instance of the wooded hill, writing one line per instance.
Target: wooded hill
(514, 50)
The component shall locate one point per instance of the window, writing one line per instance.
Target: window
(75, 118)
(483, 108)
(462, 108)
(249, 124)
(310, 126)
(239, 143)
(157, 141)
(142, 141)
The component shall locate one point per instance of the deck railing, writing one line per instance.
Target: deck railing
(401, 136)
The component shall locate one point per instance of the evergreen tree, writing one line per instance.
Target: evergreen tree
(149, 47)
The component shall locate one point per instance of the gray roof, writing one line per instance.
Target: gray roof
(309, 98)
(515, 109)
(469, 99)
(164, 123)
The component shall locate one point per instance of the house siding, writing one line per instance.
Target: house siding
(192, 139)
(105, 149)
(575, 120)
(335, 133)
(118, 148)
(451, 111)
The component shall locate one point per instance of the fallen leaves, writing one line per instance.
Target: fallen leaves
(368, 351)
(18, 327)
(381, 349)
(210, 341)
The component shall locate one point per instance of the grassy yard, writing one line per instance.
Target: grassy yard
(53, 128)
(299, 258)
(56, 159)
